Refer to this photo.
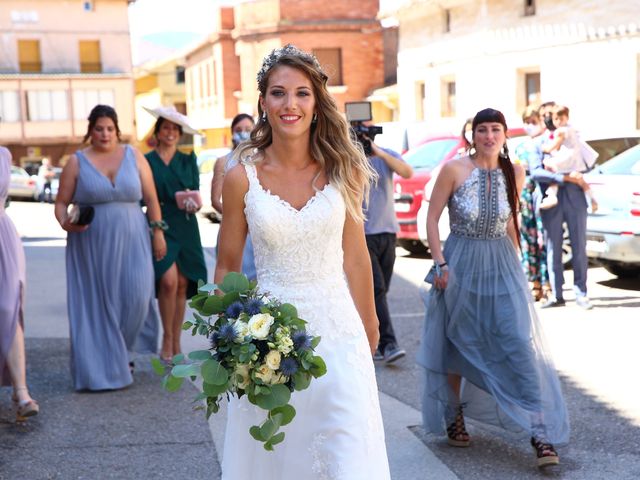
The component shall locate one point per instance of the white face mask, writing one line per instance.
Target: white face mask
(469, 136)
(531, 129)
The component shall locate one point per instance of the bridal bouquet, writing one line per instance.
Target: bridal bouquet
(259, 348)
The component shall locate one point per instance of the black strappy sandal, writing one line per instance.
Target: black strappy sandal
(545, 453)
(457, 435)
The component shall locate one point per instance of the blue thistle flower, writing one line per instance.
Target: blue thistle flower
(301, 341)
(289, 366)
(227, 332)
(253, 306)
(213, 339)
(234, 310)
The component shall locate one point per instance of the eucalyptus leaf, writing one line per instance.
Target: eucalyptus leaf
(197, 301)
(178, 358)
(185, 370)
(214, 390)
(234, 282)
(157, 365)
(200, 355)
(277, 438)
(172, 384)
(315, 341)
(279, 396)
(207, 287)
(301, 380)
(268, 429)
(288, 310)
(229, 298)
(187, 325)
(213, 372)
(318, 368)
(287, 412)
(213, 304)
(255, 433)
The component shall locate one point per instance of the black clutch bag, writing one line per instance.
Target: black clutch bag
(82, 214)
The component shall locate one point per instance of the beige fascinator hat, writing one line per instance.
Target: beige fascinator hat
(171, 114)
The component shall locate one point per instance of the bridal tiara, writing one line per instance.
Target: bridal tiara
(288, 50)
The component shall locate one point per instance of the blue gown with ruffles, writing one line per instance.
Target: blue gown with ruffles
(484, 327)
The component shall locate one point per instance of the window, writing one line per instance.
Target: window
(448, 99)
(532, 88)
(85, 100)
(420, 98)
(331, 61)
(90, 56)
(180, 74)
(29, 56)
(529, 7)
(47, 105)
(9, 106)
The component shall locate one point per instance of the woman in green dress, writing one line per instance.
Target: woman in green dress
(177, 274)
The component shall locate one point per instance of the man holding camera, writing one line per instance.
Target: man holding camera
(380, 229)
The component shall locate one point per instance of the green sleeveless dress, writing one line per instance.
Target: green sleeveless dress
(183, 237)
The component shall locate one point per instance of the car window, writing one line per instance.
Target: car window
(610, 147)
(429, 155)
(627, 163)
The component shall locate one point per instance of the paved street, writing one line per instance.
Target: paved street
(595, 352)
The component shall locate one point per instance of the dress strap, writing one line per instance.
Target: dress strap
(252, 174)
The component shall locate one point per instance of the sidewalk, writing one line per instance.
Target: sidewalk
(141, 432)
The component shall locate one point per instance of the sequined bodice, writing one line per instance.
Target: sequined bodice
(479, 208)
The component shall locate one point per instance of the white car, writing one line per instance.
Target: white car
(206, 162)
(21, 184)
(613, 231)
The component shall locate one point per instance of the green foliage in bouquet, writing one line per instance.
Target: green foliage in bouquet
(259, 348)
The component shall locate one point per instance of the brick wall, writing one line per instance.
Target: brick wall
(349, 25)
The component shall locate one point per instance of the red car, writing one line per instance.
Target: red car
(408, 192)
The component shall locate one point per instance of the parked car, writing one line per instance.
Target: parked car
(613, 231)
(40, 193)
(408, 192)
(608, 148)
(206, 162)
(21, 185)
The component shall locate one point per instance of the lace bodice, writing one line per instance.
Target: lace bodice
(298, 254)
(479, 208)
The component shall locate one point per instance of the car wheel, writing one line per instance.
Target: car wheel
(622, 270)
(412, 246)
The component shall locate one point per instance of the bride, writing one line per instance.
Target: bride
(299, 191)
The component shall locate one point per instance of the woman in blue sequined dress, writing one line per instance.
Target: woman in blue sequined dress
(483, 348)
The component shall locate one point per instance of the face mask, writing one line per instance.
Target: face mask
(531, 129)
(239, 137)
(469, 136)
(548, 122)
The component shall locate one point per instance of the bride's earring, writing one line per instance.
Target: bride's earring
(314, 119)
(264, 115)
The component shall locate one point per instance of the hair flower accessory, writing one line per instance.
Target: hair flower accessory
(288, 50)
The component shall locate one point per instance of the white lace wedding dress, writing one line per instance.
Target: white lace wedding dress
(337, 433)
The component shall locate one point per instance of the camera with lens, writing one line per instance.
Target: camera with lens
(358, 113)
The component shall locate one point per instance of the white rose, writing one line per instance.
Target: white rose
(272, 360)
(242, 371)
(259, 325)
(242, 330)
(264, 373)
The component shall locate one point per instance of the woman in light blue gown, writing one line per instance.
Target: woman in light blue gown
(110, 279)
(483, 348)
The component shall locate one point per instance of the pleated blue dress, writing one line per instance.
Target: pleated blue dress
(110, 279)
(484, 327)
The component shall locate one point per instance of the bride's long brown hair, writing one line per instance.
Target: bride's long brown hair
(331, 144)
